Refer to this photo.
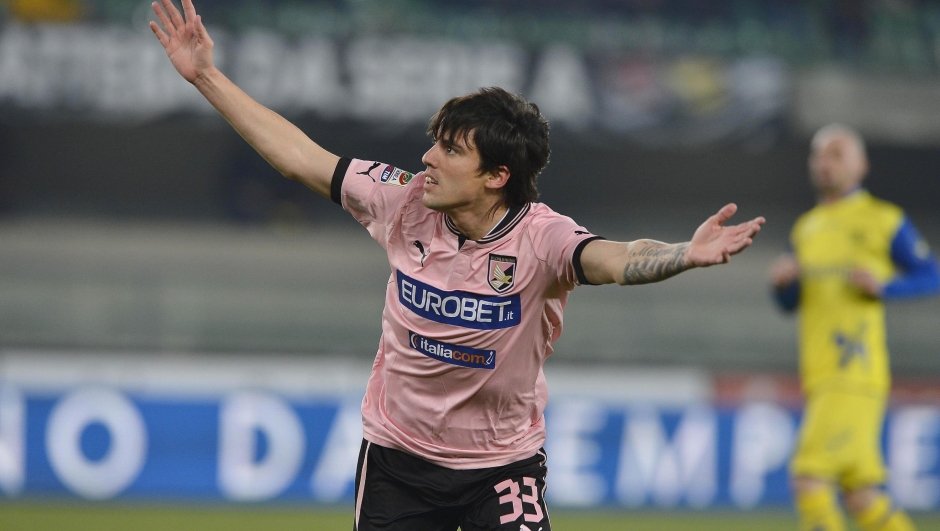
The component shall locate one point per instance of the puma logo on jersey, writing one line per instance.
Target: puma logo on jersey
(420, 247)
(368, 173)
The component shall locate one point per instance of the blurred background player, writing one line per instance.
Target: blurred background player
(849, 254)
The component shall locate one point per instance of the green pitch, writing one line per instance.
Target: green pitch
(81, 517)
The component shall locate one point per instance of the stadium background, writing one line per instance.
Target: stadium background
(181, 327)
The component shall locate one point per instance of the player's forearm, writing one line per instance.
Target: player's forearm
(648, 261)
(280, 142)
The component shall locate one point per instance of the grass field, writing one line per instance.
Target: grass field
(69, 517)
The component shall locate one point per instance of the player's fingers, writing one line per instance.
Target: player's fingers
(164, 40)
(726, 212)
(174, 14)
(750, 228)
(164, 20)
(745, 232)
(738, 246)
(741, 231)
(189, 9)
(201, 29)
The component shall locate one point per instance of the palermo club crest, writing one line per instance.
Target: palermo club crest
(502, 272)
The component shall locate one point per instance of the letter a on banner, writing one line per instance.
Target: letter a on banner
(336, 470)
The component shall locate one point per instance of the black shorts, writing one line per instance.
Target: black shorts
(396, 491)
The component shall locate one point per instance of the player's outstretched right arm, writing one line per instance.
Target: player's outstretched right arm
(645, 261)
(281, 143)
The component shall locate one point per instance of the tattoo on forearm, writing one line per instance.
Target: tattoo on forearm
(653, 261)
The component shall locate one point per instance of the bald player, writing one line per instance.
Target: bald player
(849, 254)
(452, 417)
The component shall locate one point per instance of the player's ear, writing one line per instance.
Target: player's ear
(498, 177)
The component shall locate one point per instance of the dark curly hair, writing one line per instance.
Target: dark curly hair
(506, 129)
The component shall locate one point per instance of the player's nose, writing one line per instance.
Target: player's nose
(429, 159)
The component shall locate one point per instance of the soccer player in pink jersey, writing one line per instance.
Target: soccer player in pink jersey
(452, 416)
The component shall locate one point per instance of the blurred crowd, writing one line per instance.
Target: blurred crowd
(882, 34)
(45, 10)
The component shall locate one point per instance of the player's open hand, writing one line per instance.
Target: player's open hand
(713, 243)
(186, 42)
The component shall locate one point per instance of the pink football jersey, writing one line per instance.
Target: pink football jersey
(467, 325)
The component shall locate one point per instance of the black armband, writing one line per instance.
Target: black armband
(336, 184)
(576, 260)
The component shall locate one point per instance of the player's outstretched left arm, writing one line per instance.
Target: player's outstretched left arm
(646, 261)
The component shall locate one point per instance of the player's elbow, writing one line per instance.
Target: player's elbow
(291, 168)
(291, 175)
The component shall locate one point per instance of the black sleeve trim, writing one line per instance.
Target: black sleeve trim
(336, 185)
(576, 259)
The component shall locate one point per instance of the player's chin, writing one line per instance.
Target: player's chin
(429, 201)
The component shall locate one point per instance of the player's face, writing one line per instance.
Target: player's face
(453, 178)
(837, 165)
